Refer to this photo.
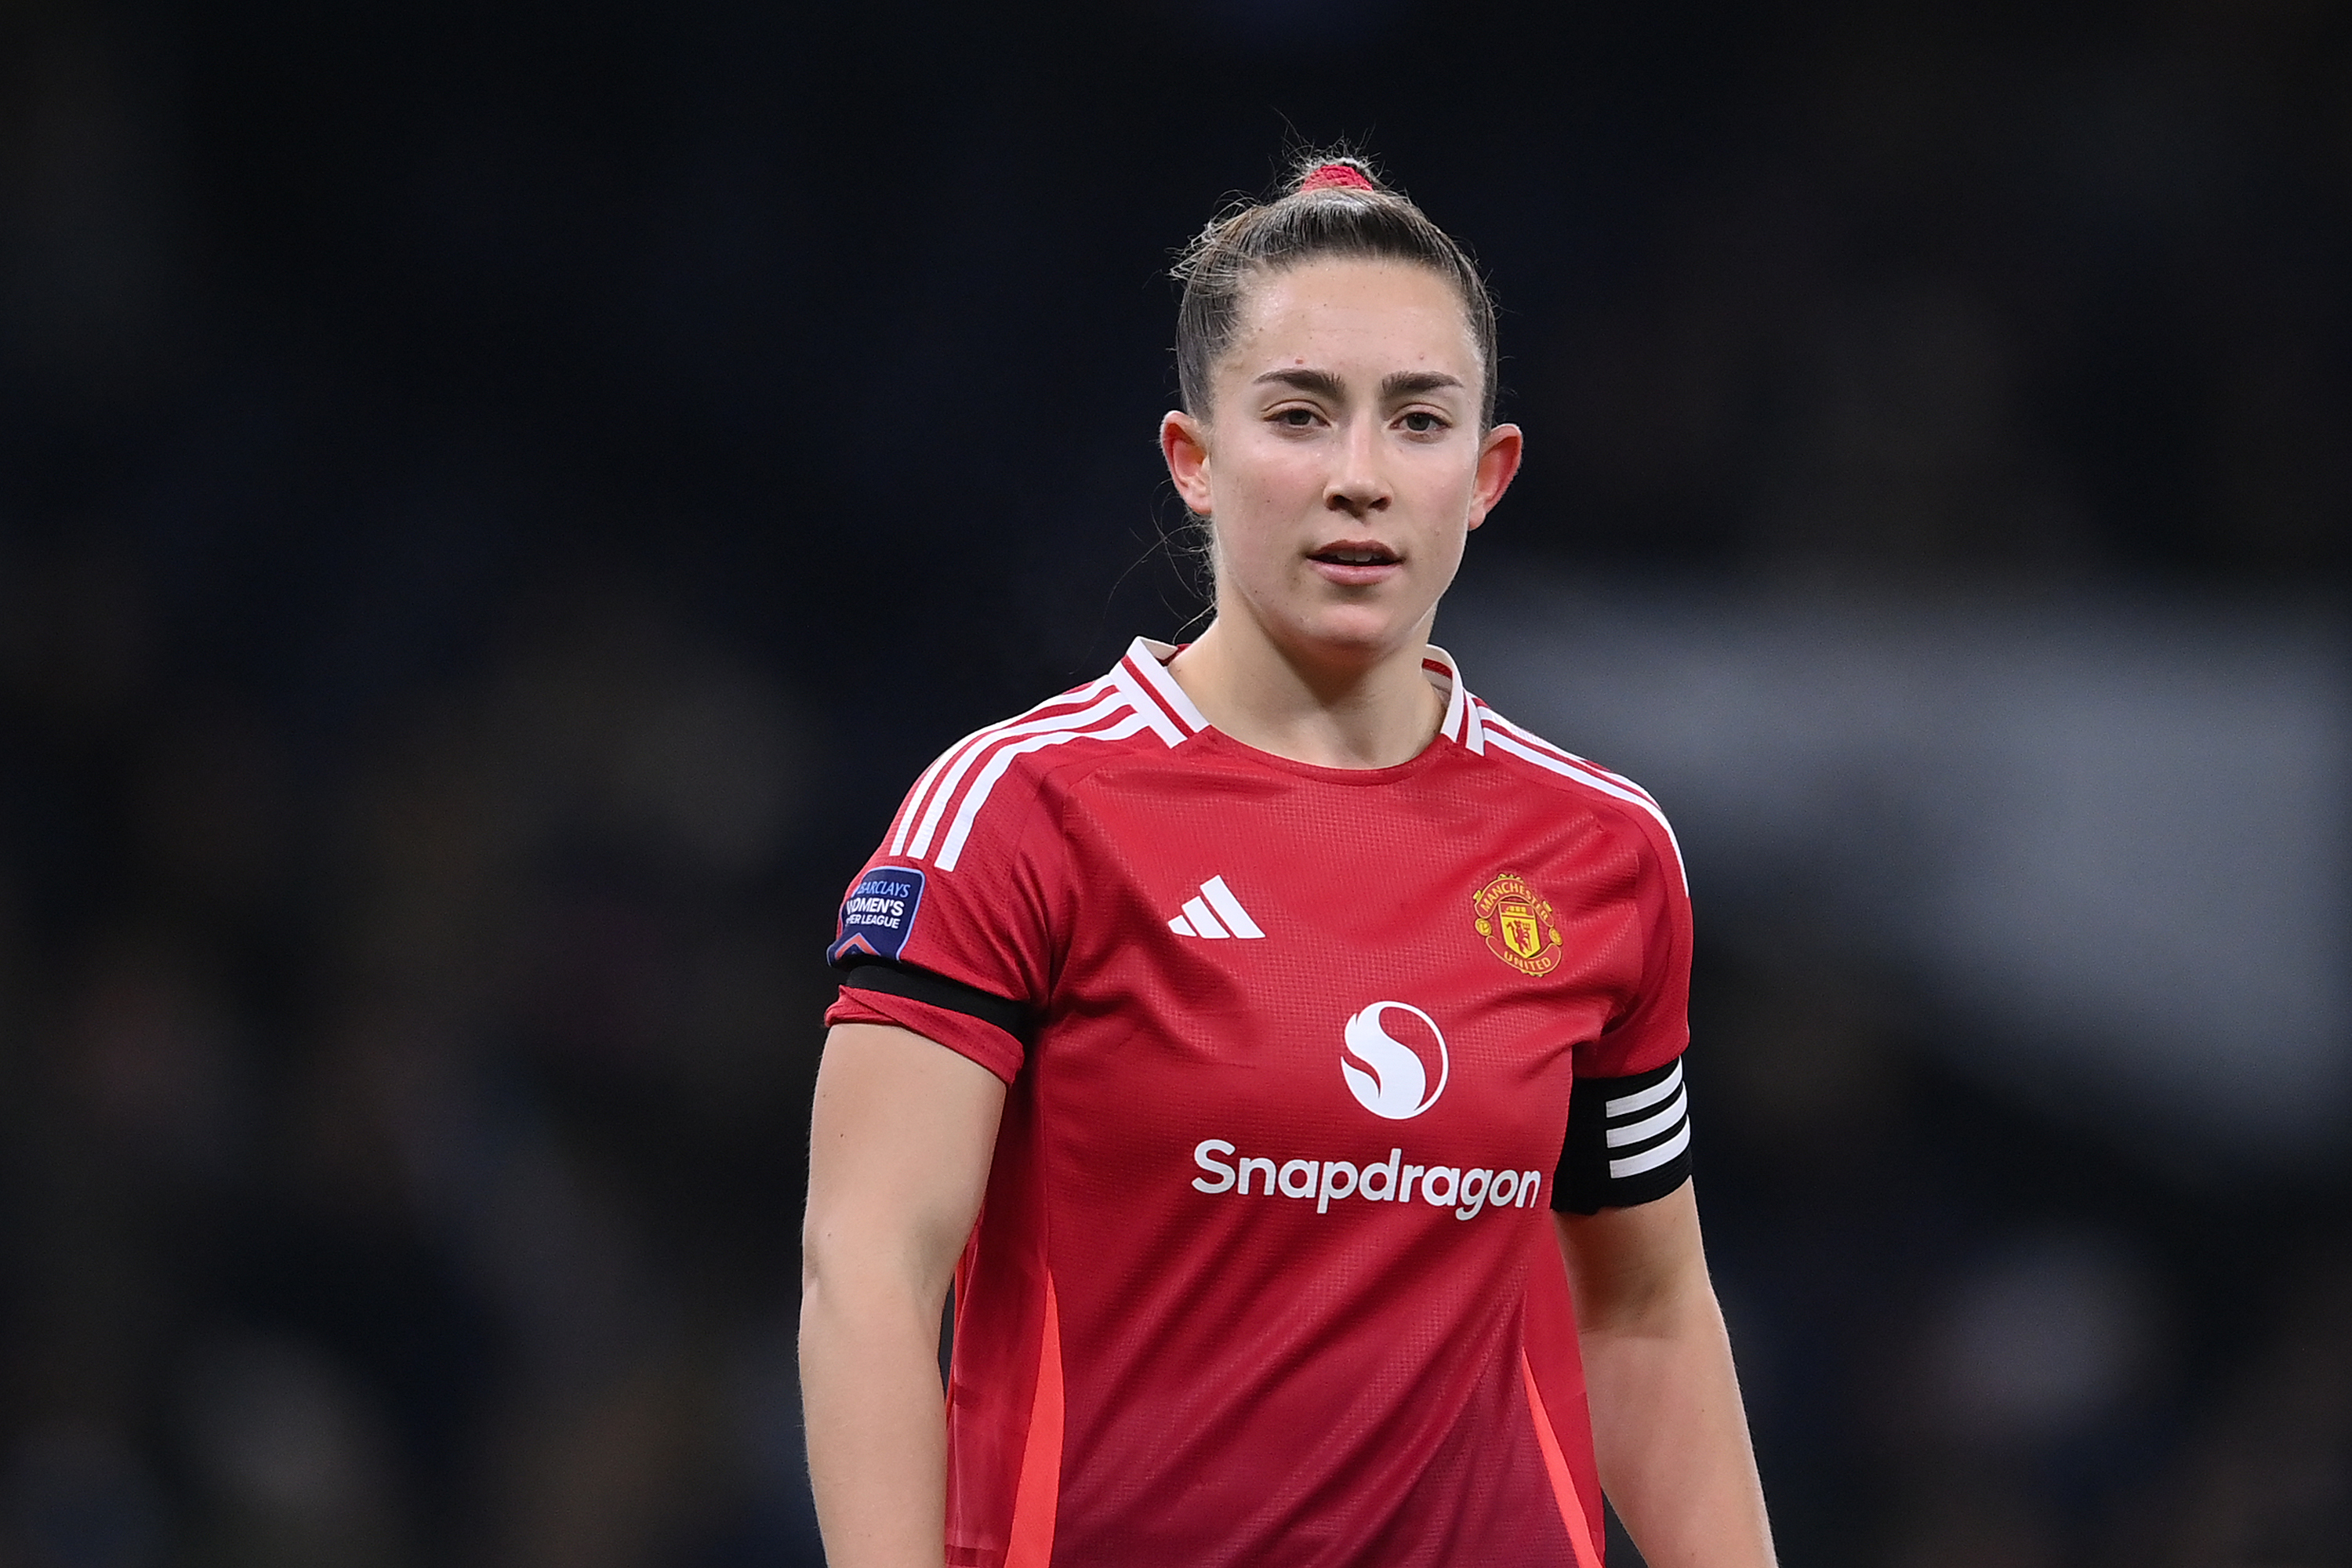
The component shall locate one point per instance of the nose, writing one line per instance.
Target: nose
(1358, 484)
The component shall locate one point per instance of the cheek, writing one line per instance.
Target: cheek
(1271, 470)
(1444, 488)
(1267, 485)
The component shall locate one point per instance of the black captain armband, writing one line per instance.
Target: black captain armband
(1628, 1141)
(894, 979)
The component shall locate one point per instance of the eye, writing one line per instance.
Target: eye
(1422, 422)
(1295, 418)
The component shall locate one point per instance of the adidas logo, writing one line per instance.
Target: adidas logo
(1215, 913)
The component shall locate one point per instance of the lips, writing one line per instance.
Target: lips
(1356, 563)
(1357, 553)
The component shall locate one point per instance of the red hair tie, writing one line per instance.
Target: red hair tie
(1336, 177)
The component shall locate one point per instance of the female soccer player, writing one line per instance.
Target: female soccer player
(1215, 1026)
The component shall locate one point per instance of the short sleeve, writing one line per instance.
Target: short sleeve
(1652, 1026)
(1629, 1132)
(956, 947)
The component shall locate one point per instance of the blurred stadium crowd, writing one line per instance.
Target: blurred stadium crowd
(495, 504)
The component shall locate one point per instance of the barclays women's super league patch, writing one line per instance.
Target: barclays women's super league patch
(878, 914)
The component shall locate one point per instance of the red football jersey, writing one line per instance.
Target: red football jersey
(1264, 1274)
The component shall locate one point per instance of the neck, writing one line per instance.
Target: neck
(1371, 711)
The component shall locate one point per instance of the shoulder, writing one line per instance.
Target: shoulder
(993, 781)
(1609, 796)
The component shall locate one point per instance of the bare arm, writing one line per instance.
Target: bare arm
(899, 1150)
(1667, 1425)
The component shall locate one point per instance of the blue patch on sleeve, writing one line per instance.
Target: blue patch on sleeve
(878, 914)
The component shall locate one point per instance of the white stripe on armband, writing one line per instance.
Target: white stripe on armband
(1650, 1127)
(1649, 1159)
(1646, 1098)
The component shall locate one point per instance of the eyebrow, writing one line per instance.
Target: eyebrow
(1321, 382)
(1398, 383)
(1405, 383)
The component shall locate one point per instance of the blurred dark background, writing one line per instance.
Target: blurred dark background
(496, 502)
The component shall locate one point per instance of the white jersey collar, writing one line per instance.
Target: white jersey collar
(1144, 670)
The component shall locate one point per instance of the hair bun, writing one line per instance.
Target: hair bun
(1336, 177)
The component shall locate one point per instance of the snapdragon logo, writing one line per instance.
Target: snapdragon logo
(1388, 1077)
(1389, 1181)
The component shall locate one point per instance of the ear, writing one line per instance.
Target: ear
(1499, 464)
(1184, 443)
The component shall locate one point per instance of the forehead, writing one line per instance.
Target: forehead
(1334, 314)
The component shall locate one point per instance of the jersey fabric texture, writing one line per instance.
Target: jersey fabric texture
(1263, 1273)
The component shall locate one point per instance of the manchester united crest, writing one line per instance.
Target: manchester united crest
(1516, 920)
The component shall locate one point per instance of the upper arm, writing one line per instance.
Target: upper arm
(900, 1141)
(1627, 1267)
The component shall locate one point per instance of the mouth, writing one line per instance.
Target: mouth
(1356, 563)
(1356, 553)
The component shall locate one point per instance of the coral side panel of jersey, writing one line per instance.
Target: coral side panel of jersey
(1265, 1274)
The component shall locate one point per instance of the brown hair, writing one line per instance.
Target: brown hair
(1334, 206)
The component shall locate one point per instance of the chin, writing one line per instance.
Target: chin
(1356, 635)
